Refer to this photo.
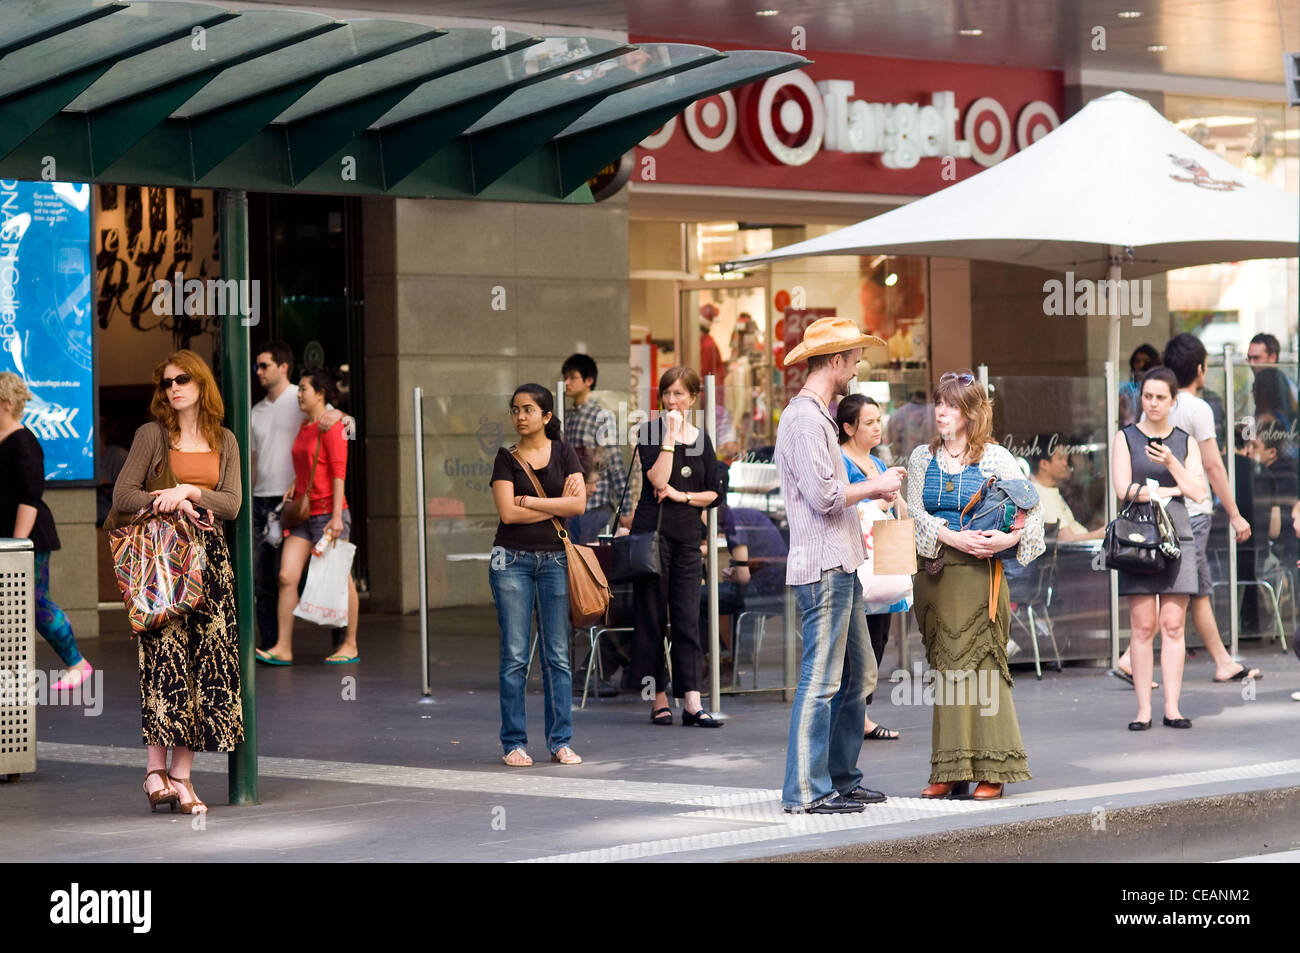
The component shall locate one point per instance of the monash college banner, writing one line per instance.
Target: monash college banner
(45, 317)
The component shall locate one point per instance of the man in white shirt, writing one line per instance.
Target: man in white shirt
(1051, 468)
(1185, 356)
(276, 420)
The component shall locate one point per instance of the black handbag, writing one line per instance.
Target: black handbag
(635, 556)
(1133, 540)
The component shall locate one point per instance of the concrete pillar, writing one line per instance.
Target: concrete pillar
(468, 300)
(74, 583)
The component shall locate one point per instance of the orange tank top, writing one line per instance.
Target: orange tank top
(198, 469)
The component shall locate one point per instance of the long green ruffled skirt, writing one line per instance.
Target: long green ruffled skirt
(976, 736)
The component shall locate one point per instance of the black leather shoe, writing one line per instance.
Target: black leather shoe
(701, 719)
(1177, 723)
(865, 795)
(836, 805)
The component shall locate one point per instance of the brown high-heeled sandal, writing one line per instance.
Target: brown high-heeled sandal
(164, 795)
(195, 803)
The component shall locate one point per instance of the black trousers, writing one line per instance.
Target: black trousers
(673, 597)
(878, 627)
(266, 575)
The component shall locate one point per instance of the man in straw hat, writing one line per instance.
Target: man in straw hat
(826, 548)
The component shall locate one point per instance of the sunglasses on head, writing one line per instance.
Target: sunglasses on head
(166, 383)
(965, 380)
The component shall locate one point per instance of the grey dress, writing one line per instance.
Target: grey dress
(1179, 577)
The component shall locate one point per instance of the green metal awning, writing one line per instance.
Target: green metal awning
(194, 94)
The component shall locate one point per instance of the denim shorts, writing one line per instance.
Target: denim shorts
(314, 528)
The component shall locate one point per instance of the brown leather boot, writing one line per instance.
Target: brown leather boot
(947, 789)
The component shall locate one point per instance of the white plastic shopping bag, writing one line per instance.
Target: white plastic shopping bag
(325, 597)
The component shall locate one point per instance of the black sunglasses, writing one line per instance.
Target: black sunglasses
(166, 383)
(262, 365)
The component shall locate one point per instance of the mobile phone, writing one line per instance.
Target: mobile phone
(1155, 442)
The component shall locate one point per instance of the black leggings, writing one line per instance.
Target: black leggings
(672, 597)
(878, 627)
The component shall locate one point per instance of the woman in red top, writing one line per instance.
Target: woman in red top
(329, 515)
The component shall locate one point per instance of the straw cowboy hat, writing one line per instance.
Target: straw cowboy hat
(830, 336)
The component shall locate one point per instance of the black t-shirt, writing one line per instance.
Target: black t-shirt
(22, 481)
(695, 469)
(541, 535)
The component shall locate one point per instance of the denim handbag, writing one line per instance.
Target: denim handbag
(635, 556)
(999, 505)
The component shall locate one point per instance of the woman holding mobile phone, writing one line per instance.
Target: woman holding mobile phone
(1154, 449)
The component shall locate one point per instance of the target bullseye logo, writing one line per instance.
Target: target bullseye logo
(988, 130)
(711, 122)
(1036, 120)
(786, 121)
(660, 136)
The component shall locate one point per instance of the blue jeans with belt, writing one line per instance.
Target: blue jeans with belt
(837, 674)
(520, 580)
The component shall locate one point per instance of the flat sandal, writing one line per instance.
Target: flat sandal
(566, 755)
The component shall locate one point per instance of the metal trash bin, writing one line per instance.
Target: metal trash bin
(17, 658)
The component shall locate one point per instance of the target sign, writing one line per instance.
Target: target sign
(1036, 120)
(786, 121)
(988, 130)
(711, 122)
(660, 136)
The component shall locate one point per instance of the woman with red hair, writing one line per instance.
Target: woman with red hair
(186, 463)
(960, 599)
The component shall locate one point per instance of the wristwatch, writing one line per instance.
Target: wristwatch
(688, 499)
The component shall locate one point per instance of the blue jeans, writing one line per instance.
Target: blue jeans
(837, 674)
(522, 579)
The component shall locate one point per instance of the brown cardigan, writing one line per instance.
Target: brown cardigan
(146, 460)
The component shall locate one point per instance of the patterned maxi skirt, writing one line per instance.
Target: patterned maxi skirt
(975, 735)
(189, 666)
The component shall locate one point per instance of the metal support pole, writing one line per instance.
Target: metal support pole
(422, 552)
(982, 372)
(715, 675)
(1229, 438)
(559, 403)
(1112, 417)
(237, 394)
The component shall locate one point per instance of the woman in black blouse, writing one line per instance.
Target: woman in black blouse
(528, 569)
(681, 478)
(24, 515)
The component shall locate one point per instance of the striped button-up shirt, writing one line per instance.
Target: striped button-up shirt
(824, 533)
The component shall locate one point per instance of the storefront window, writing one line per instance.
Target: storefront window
(1229, 303)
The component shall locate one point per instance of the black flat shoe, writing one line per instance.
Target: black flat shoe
(835, 805)
(1177, 723)
(701, 719)
(661, 716)
(1141, 725)
(865, 796)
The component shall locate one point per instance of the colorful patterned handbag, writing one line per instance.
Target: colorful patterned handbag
(159, 559)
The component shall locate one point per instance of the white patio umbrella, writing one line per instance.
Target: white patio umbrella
(1115, 191)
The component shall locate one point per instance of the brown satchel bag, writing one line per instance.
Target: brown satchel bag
(588, 588)
(298, 508)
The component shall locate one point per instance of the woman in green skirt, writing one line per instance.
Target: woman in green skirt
(961, 596)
